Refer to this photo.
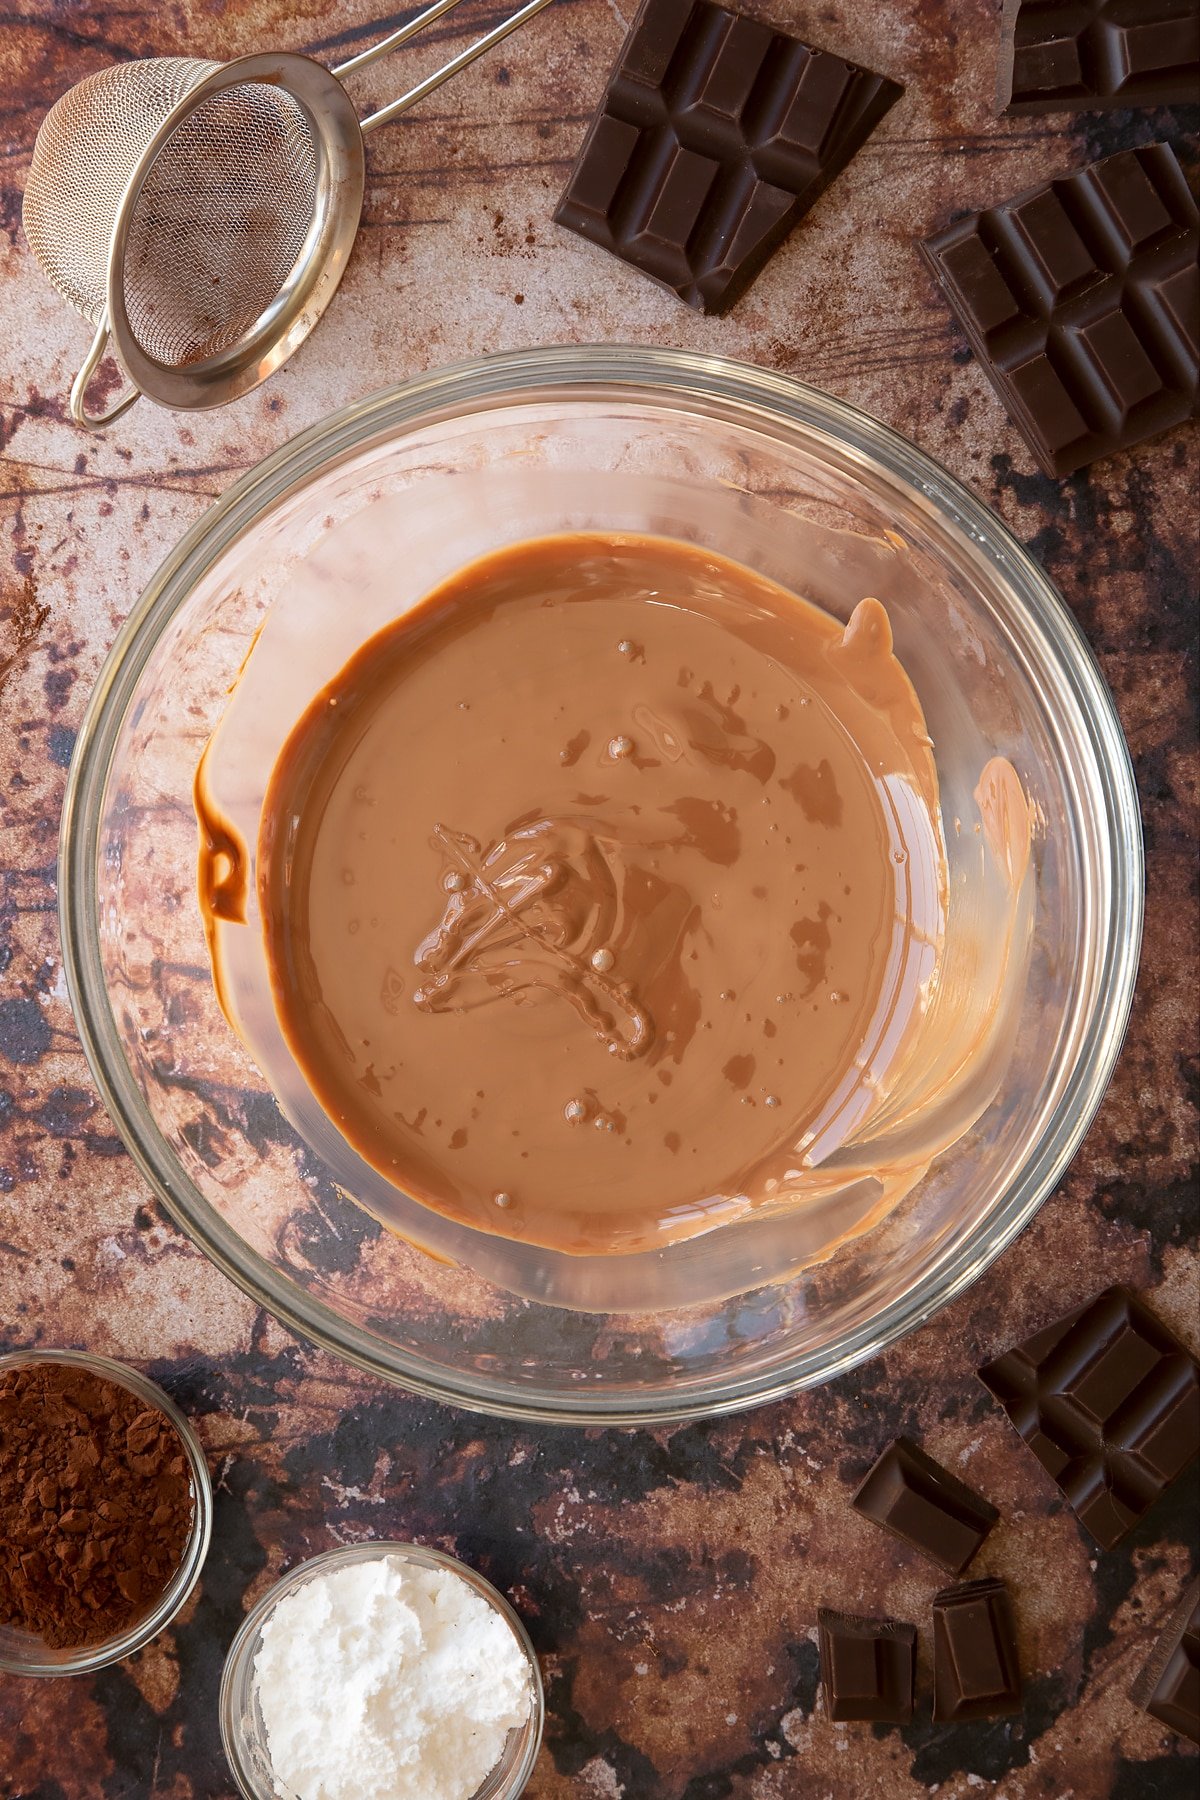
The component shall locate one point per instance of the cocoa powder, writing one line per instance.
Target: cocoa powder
(96, 1504)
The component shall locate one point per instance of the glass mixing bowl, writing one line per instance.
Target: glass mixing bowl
(830, 504)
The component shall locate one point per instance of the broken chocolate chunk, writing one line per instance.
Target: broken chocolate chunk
(1056, 55)
(868, 1667)
(1169, 1686)
(1080, 299)
(715, 136)
(918, 1501)
(1108, 1400)
(976, 1674)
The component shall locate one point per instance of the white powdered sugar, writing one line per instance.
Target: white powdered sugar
(383, 1680)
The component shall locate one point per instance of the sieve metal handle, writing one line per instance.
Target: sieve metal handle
(92, 361)
(393, 41)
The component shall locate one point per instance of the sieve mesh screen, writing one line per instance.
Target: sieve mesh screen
(220, 223)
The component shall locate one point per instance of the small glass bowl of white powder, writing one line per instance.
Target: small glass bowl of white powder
(382, 1672)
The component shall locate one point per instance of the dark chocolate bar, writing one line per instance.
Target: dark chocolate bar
(715, 136)
(1169, 1685)
(917, 1500)
(868, 1667)
(1080, 299)
(976, 1674)
(1109, 1402)
(1059, 54)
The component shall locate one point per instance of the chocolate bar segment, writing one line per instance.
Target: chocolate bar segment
(917, 1500)
(1056, 55)
(868, 1667)
(1081, 300)
(976, 1674)
(715, 136)
(1169, 1686)
(1109, 1402)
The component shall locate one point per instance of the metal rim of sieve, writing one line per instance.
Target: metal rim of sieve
(313, 280)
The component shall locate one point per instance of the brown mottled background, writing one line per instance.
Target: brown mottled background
(670, 1578)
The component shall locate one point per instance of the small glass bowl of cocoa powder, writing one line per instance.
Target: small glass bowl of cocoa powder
(95, 1456)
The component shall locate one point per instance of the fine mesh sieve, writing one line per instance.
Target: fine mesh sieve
(201, 214)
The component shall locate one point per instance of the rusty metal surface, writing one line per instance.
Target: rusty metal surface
(670, 1578)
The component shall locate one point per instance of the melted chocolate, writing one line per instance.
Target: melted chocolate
(601, 891)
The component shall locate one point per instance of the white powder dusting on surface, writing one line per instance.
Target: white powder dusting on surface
(383, 1680)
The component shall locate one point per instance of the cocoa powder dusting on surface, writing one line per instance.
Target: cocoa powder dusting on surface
(95, 1504)
(22, 616)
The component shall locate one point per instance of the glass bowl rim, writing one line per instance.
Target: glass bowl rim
(91, 1657)
(234, 1670)
(673, 377)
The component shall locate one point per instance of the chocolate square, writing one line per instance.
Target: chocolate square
(1056, 55)
(1109, 1402)
(918, 1501)
(715, 136)
(976, 1674)
(1078, 298)
(1169, 1686)
(868, 1667)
